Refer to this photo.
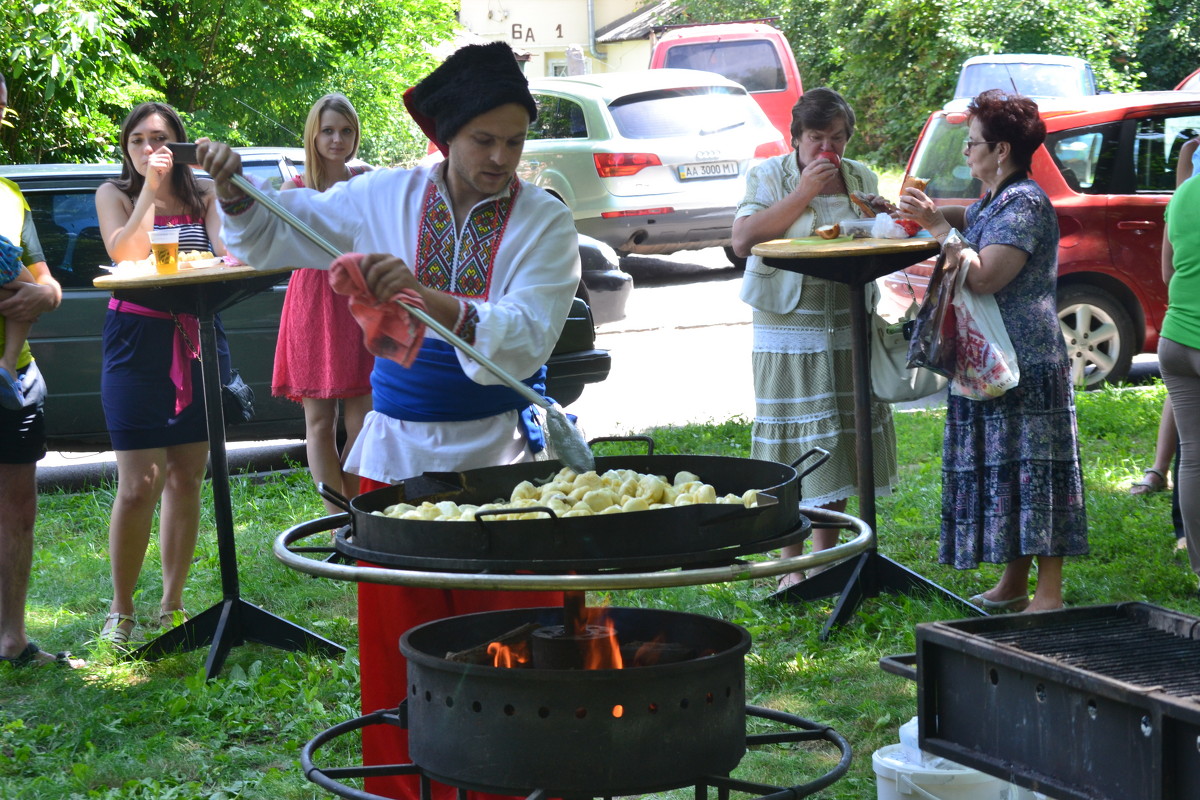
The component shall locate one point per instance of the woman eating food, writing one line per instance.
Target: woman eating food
(803, 382)
(1012, 487)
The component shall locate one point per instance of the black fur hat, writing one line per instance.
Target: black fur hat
(472, 81)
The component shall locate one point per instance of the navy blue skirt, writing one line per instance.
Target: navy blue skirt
(136, 389)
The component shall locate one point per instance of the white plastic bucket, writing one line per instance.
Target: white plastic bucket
(896, 778)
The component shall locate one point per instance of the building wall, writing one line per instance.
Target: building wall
(547, 28)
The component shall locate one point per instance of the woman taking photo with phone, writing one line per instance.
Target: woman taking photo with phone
(320, 357)
(151, 386)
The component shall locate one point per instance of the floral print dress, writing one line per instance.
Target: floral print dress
(1012, 485)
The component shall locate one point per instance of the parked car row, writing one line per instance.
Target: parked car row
(1108, 166)
(67, 343)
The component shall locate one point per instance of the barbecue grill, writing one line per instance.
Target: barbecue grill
(558, 731)
(1097, 703)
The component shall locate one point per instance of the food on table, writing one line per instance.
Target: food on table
(829, 231)
(872, 204)
(571, 494)
(911, 226)
(195, 255)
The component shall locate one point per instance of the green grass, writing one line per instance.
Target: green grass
(158, 730)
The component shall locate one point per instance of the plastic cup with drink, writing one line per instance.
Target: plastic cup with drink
(164, 245)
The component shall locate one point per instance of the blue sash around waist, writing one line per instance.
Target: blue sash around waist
(435, 389)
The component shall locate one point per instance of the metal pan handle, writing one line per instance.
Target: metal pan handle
(334, 496)
(824, 457)
(903, 665)
(491, 512)
(646, 440)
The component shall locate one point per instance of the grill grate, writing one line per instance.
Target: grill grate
(1121, 649)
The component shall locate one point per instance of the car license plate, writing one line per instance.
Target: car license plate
(713, 169)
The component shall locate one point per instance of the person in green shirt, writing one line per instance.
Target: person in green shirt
(1179, 349)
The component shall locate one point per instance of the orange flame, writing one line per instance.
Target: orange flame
(507, 657)
(604, 651)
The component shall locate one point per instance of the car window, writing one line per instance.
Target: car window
(1086, 157)
(1156, 148)
(753, 64)
(272, 171)
(1032, 80)
(940, 160)
(70, 234)
(692, 111)
(558, 118)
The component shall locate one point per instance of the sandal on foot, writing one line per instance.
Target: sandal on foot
(1015, 604)
(1152, 481)
(172, 618)
(29, 656)
(114, 630)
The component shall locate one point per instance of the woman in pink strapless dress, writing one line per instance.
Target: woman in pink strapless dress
(320, 357)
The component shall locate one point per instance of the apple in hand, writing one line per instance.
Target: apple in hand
(831, 157)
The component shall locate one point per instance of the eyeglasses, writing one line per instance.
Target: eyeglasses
(968, 144)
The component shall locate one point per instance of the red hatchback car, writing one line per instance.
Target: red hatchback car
(1108, 165)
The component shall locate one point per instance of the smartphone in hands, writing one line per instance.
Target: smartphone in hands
(183, 152)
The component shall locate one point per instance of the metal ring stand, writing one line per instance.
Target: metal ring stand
(295, 557)
(298, 558)
(798, 730)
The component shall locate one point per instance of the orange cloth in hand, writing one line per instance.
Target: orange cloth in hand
(388, 329)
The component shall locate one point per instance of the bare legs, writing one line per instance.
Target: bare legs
(143, 476)
(320, 428)
(822, 539)
(1164, 450)
(18, 487)
(1015, 583)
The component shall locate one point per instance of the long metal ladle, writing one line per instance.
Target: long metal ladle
(565, 439)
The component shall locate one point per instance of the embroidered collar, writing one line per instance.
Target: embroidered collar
(461, 265)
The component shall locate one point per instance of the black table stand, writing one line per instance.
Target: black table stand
(233, 621)
(870, 573)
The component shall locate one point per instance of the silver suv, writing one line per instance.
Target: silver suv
(648, 162)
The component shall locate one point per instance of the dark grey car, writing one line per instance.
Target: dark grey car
(67, 342)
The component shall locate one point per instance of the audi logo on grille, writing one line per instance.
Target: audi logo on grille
(708, 155)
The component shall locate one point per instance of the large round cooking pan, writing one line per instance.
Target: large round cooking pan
(559, 543)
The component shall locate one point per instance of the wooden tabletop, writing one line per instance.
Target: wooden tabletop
(815, 247)
(148, 279)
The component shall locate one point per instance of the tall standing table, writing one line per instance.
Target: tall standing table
(233, 621)
(855, 263)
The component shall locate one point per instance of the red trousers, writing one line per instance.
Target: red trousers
(384, 614)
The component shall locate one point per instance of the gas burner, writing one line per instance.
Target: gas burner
(539, 722)
(606, 718)
(791, 730)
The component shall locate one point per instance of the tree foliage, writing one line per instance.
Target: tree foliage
(897, 60)
(241, 71)
(64, 62)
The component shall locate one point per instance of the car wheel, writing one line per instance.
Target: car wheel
(737, 261)
(1099, 335)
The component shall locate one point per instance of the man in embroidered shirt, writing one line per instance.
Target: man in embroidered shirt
(495, 259)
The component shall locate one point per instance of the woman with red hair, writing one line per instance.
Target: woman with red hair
(1012, 487)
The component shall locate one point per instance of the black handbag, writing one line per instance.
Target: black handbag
(237, 399)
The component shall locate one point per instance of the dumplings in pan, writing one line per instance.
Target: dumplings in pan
(569, 494)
